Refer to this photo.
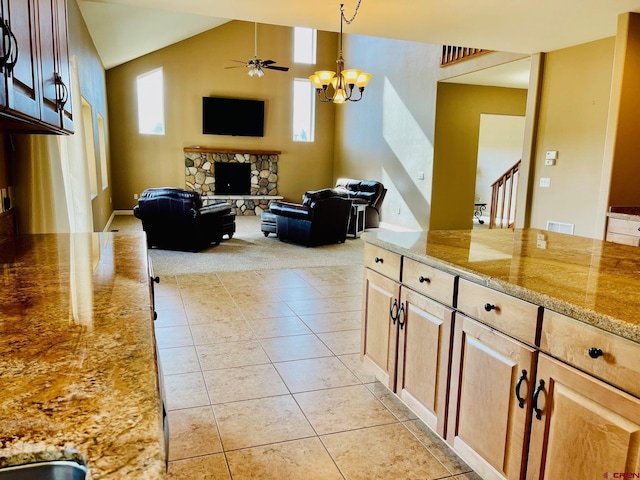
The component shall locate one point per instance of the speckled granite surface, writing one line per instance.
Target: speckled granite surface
(590, 280)
(77, 355)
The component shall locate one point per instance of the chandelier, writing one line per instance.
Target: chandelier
(344, 82)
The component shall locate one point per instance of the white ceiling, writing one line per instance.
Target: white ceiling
(125, 29)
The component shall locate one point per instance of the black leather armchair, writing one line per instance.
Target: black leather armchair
(370, 192)
(175, 219)
(321, 219)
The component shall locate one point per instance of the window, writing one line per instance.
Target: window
(87, 124)
(102, 144)
(151, 103)
(304, 41)
(304, 110)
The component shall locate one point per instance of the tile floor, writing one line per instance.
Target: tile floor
(264, 381)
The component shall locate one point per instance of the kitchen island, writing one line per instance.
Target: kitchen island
(78, 366)
(521, 348)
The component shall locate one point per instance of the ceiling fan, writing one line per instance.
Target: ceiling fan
(257, 65)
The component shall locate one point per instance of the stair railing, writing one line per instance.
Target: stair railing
(503, 192)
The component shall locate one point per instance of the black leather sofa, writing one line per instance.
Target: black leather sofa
(370, 192)
(321, 219)
(174, 219)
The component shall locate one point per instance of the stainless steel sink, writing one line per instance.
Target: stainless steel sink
(58, 470)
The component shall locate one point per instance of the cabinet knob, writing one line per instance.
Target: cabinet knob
(378, 260)
(156, 279)
(424, 279)
(488, 307)
(595, 352)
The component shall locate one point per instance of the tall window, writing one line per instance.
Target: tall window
(151, 103)
(90, 146)
(102, 144)
(304, 41)
(304, 110)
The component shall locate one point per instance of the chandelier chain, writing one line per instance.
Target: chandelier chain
(348, 22)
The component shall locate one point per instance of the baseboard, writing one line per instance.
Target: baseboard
(107, 227)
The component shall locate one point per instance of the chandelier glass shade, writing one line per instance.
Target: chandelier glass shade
(344, 82)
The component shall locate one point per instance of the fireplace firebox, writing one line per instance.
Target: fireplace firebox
(232, 178)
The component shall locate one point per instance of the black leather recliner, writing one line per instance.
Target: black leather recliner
(174, 219)
(321, 219)
(370, 192)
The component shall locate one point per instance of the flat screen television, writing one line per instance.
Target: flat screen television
(232, 116)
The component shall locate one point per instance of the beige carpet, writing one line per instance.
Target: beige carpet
(249, 249)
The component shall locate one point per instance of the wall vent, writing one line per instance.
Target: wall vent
(560, 227)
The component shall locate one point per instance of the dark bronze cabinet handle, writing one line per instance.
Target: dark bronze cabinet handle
(155, 315)
(156, 279)
(400, 317)
(424, 279)
(536, 394)
(377, 260)
(488, 307)
(595, 352)
(394, 316)
(522, 378)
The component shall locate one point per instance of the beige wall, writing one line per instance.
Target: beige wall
(194, 68)
(573, 120)
(456, 147)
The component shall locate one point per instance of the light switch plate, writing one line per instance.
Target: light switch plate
(545, 182)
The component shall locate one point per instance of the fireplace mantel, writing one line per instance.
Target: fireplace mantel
(200, 176)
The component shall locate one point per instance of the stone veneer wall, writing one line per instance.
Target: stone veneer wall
(199, 176)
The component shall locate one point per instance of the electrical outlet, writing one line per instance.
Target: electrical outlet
(545, 182)
(420, 175)
(135, 196)
(398, 210)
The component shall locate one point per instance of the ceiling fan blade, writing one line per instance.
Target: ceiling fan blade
(274, 67)
(268, 62)
(236, 66)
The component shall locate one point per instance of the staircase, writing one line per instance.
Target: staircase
(503, 194)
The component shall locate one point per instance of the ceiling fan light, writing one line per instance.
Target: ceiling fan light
(363, 79)
(325, 76)
(350, 76)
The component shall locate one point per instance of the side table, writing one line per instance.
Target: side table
(356, 220)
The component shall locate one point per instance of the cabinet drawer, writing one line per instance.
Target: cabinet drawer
(429, 281)
(508, 314)
(570, 341)
(625, 227)
(382, 261)
(623, 239)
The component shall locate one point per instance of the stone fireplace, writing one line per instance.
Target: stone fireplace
(260, 166)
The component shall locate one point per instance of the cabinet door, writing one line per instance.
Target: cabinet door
(50, 113)
(487, 424)
(63, 66)
(424, 357)
(22, 81)
(586, 429)
(379, 331)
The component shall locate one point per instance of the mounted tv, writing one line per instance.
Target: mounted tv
(232, 116)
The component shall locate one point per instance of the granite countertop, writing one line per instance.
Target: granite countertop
(590, 280)
(78, 372)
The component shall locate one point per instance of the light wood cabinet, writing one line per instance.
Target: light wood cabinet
(379, 331)
(489, 402)
(623, 231)
(34, 67)
(584, 428)
(424, 357)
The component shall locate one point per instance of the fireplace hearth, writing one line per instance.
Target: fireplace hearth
(232, 178)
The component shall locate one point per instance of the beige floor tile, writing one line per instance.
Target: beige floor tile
(243, 383)
(168, 301)
(167, 337)
(341, 289)
(437, 447)
(266, 310)
(333, 322)
(231, 354)
(221, 331)
(185, 390)
(385, 452)
(282, 349)
(346, 408)
(202, 313)
(173, 317)
(244, 278)
(325, 305)
(468, 476)
(166, 287)
(342, 343)
(282, 279)
(298, 293)
(193, 432)
(359, 369)
(315, 374)
(179, 360)
(278, 327)
(297, 460)
(319, 277)
(391, 401)
(189, 281)
(210, 467)
(260, 422)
